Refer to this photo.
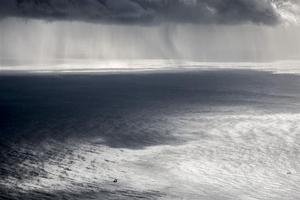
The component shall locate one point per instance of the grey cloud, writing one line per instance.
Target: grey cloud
(147, 11)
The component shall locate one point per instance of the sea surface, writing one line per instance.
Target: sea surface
(224, 134)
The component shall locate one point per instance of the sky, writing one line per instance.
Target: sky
(208, 30)
(153, 11)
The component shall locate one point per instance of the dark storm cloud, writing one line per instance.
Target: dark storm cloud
(146, 11)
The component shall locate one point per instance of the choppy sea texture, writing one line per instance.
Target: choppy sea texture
(215, 135)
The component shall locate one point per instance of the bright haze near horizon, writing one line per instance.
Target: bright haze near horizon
(150, 99)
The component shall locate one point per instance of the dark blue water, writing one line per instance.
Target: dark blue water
(230, 134)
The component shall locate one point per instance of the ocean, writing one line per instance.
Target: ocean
(222, 134)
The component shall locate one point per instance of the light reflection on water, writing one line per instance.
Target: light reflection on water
(209, 135)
